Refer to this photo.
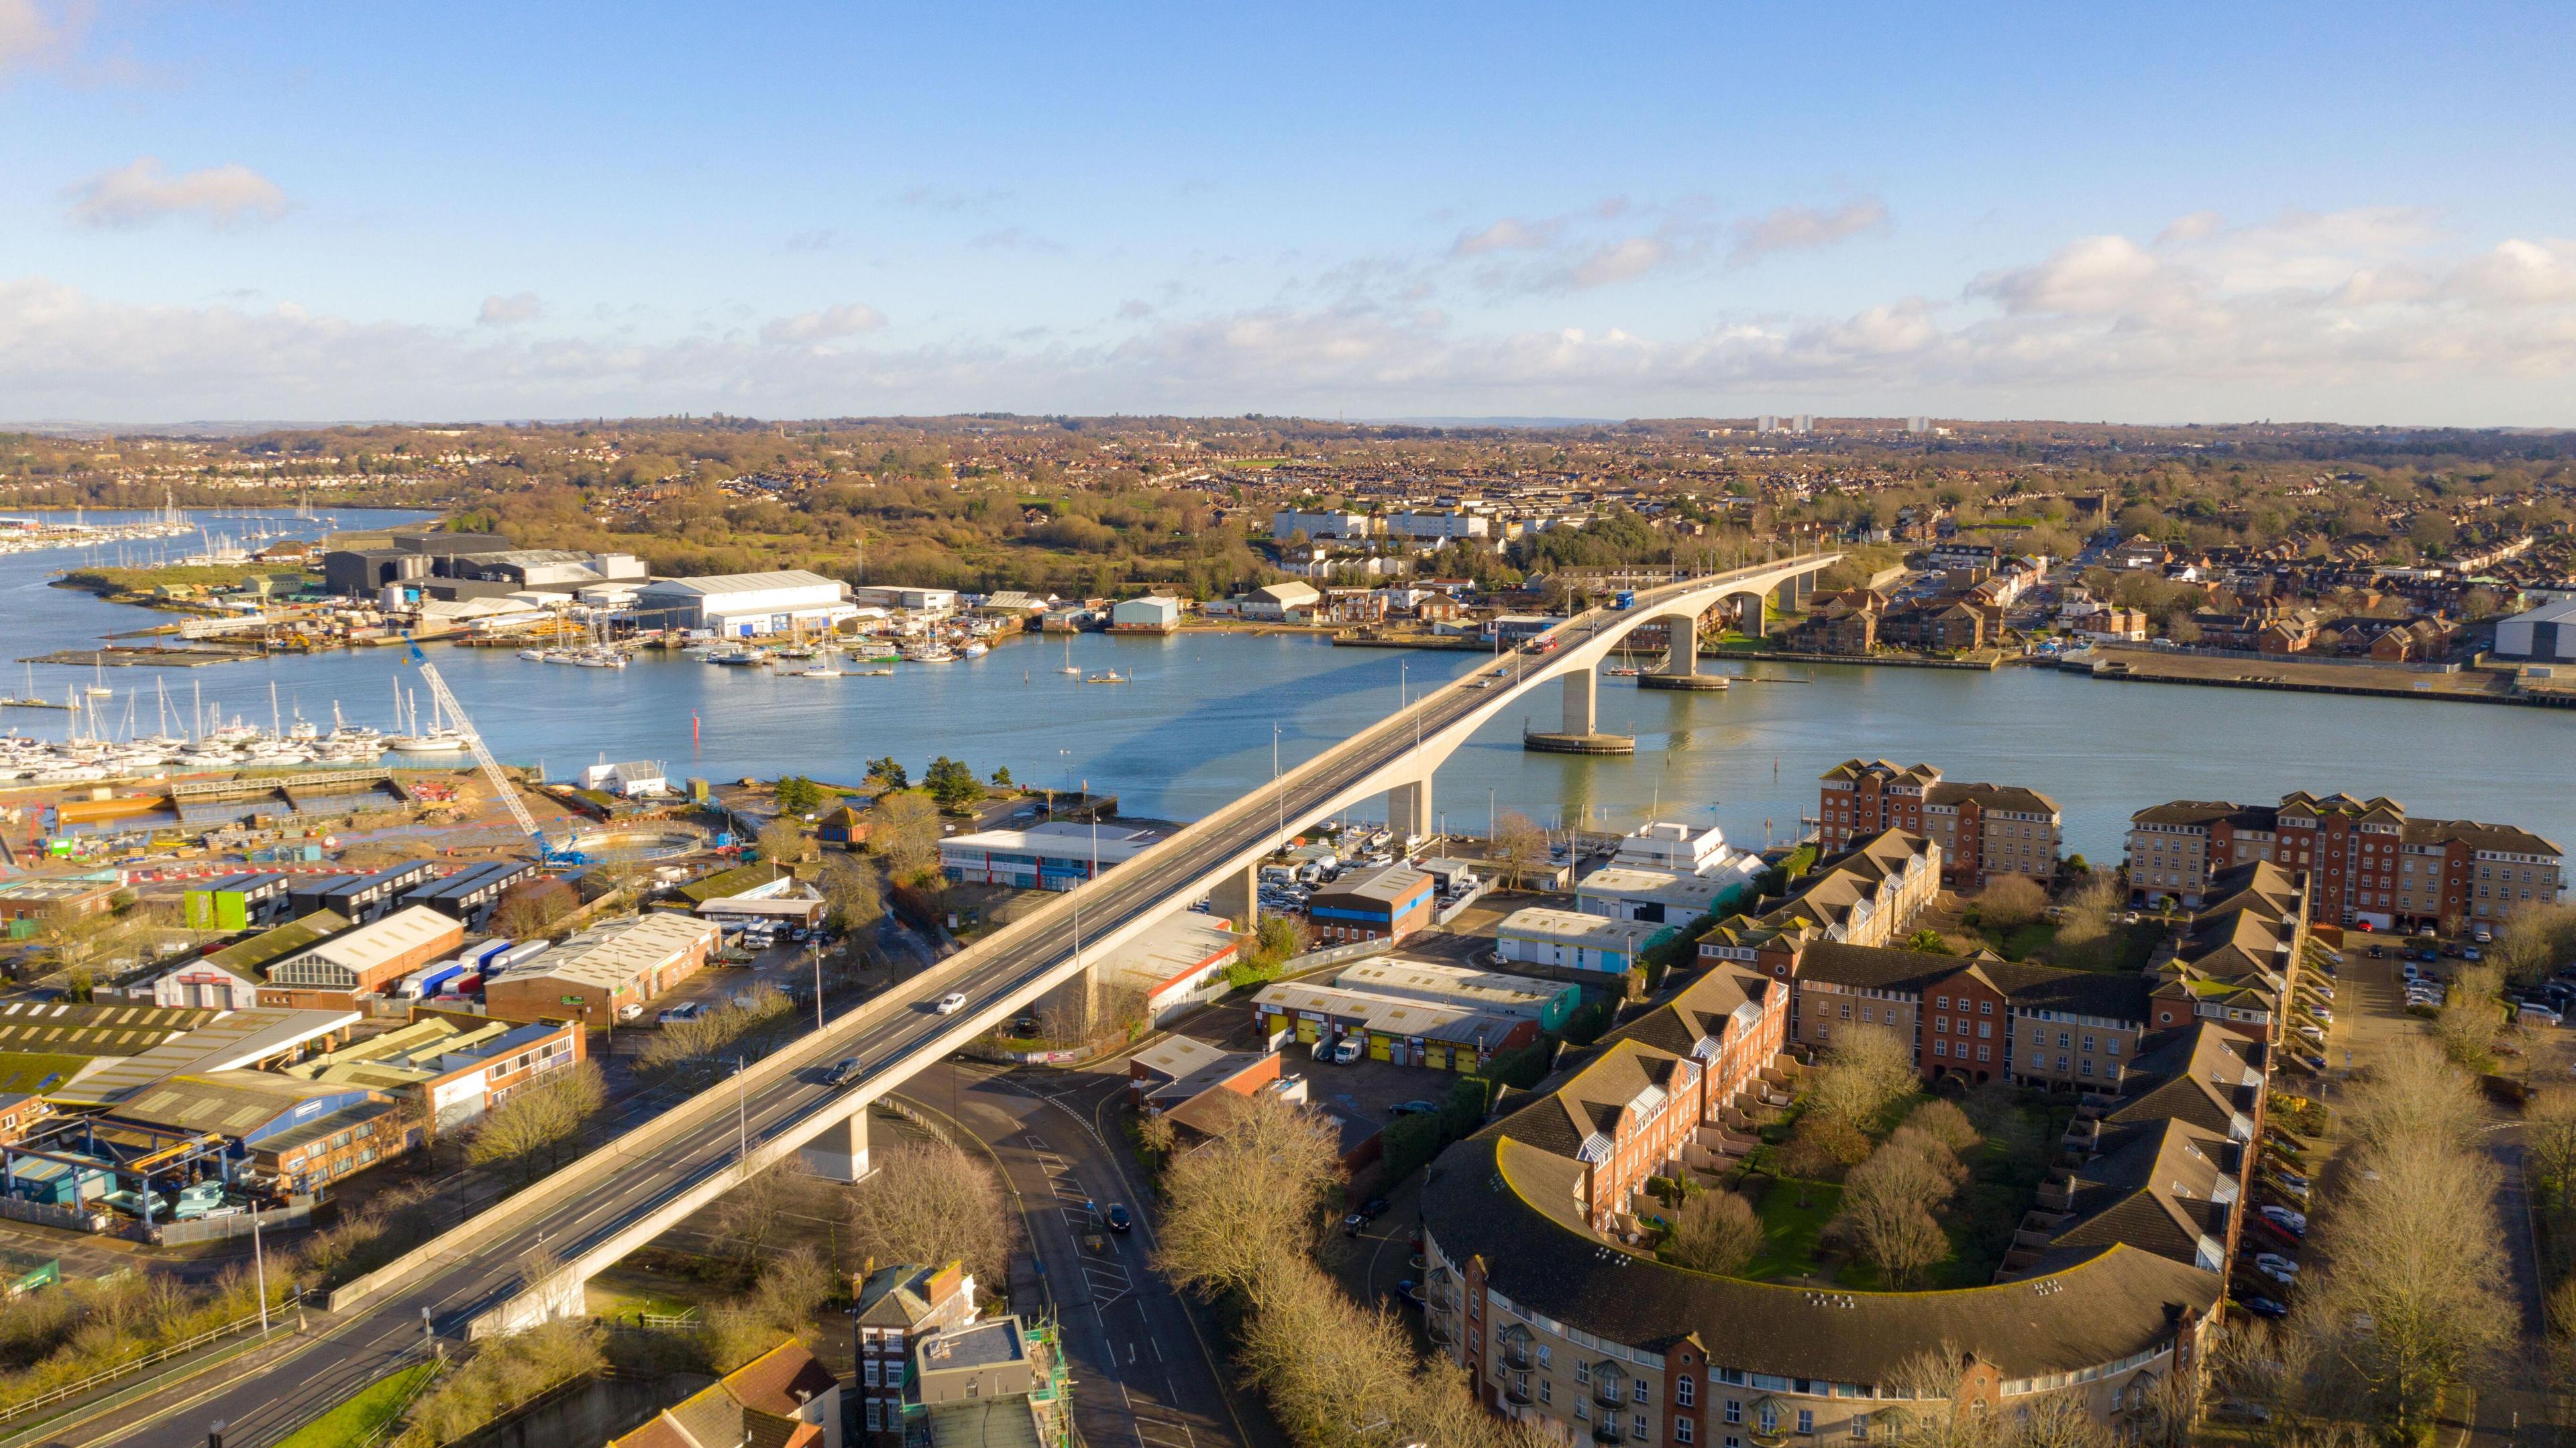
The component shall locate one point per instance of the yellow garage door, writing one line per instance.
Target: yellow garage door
(1377, 1048)
(1436, 1057)
(1306, 1031)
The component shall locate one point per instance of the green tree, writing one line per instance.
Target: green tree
(887, 775)
(951, 783)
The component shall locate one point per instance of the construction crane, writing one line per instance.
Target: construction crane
(502, 786)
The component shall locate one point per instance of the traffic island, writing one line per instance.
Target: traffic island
(1546, 742)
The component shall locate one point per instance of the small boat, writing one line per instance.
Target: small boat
(876, 673)
(534, 656)
(977, 648)
(1070, 667)
(436, 741)
(932, 654)
(1106, 676)
(738, 658)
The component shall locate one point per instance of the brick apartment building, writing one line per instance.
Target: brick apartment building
(2365, 861)
(897, 1306)
(1868, 895)
(1984, 830)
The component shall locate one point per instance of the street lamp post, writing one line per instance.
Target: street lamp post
(259, 1261)
(742, 1114)
(817, 947)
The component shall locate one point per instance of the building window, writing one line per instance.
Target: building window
(1681, 1430)
(1546, 1355)
(1806, 1420)
(869, 1372)
(1683, 1391)
(1734, 1412)
(1637, 1426)
(1583, 1372)
(1860, 1425)
(1768, 1420)
(1546, 1391)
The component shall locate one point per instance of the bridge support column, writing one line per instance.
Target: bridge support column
(840, 1153)
(1582, 700)
(1804, 587)
(1681, 659)
(1237, 899)
(1582, 720)
(1750, 617)
(1408, 809)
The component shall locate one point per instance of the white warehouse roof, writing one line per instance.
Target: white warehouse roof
(741, 582)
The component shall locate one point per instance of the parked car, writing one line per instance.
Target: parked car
(2295, 1181)
(2263, 1307)
(951, 1003)
(684, 1011)
(1118, 1218)
(2277, 1265)
(631, 1011)
(2294, 1223)
(1411, 1108)
(843, 1072)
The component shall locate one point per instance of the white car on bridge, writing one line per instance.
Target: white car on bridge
(950, 1004)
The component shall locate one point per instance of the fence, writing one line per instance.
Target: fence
(1334, 955)
(217, 1229)
(46, 1214)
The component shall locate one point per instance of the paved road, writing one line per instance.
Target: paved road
(1147, 1368)
(348, 1350)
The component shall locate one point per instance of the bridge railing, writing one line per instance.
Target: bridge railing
(594, 1168)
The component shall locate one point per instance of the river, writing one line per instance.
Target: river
(1195, 727)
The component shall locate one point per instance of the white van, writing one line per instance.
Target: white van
(1346, 1050)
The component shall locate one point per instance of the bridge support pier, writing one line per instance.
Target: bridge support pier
(1582, 700)
(1408, 810)
(1750, 614)
(1236, 899)
(1582, 716)
(1681, 659)
(841, 1153)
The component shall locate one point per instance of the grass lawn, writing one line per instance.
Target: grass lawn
(1789, 1230)
(361, 1414)
(618, 1294)
(36, 1070)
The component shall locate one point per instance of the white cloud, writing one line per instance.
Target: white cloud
(31, 35)
(2085, 278)
(806, 328)
(142, 192)
(1804, 228)
(1620, 261)
(509, 311)
(2201, 324)
(1509, 234)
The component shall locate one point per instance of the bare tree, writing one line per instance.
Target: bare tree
(2412, 1298)
(2536, 940)
(1867, 1069)
(538, 1126)
(853, 894)
(1820, 1147)
(1518, 846)
(931, 1203)
(1249, 1199)
(747, 1217)
(1714, 1232)
(782, 841)
(906, 832)
(2084, 924)
(2012, 901)
(1888, 1200)
(2412, 1094)
(2549, 1137)
(1944, 1122)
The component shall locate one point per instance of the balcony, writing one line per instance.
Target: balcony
(1516, 1356)
(1441, 1329)
(1516, 1390)
(1606, 1430)
(1609, 1388)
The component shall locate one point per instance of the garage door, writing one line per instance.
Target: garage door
(1436, 1057)
(1378, 1048)
(1306, 1031)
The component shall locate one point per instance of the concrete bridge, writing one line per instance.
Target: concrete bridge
(528, 1256)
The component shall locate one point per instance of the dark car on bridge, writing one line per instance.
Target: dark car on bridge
(843, 1072)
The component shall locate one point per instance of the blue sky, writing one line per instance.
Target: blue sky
(2158, 214)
